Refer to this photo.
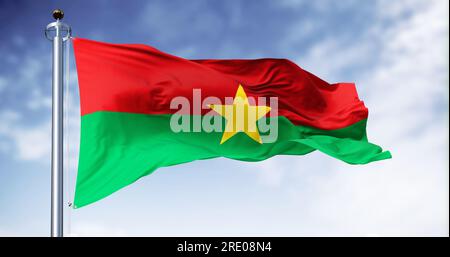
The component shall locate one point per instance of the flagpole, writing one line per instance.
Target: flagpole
(57, 32)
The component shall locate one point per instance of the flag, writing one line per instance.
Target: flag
(142, 109)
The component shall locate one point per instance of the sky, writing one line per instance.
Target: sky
(395, 51)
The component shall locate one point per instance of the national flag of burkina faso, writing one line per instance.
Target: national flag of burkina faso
(128, 129)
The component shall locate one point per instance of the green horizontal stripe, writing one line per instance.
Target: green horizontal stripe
(118, 148)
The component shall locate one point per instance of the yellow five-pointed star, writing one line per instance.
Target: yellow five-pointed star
(241, 116)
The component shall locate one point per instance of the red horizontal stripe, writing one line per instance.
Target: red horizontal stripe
(142, 79)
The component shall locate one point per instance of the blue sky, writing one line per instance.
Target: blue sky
(395, 51)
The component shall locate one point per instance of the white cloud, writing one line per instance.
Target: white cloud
(22, 135)
(29, 143)
(38, 100)
(88, 229)
(271, 173)
(33, 143)
(406, 91)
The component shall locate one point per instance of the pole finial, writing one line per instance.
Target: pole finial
(57, 28)
(58, 14)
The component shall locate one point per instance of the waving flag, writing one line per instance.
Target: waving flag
(143, 109)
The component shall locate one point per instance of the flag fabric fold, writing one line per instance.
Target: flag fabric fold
(125, 96)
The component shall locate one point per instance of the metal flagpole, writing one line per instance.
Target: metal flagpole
(58, 33)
